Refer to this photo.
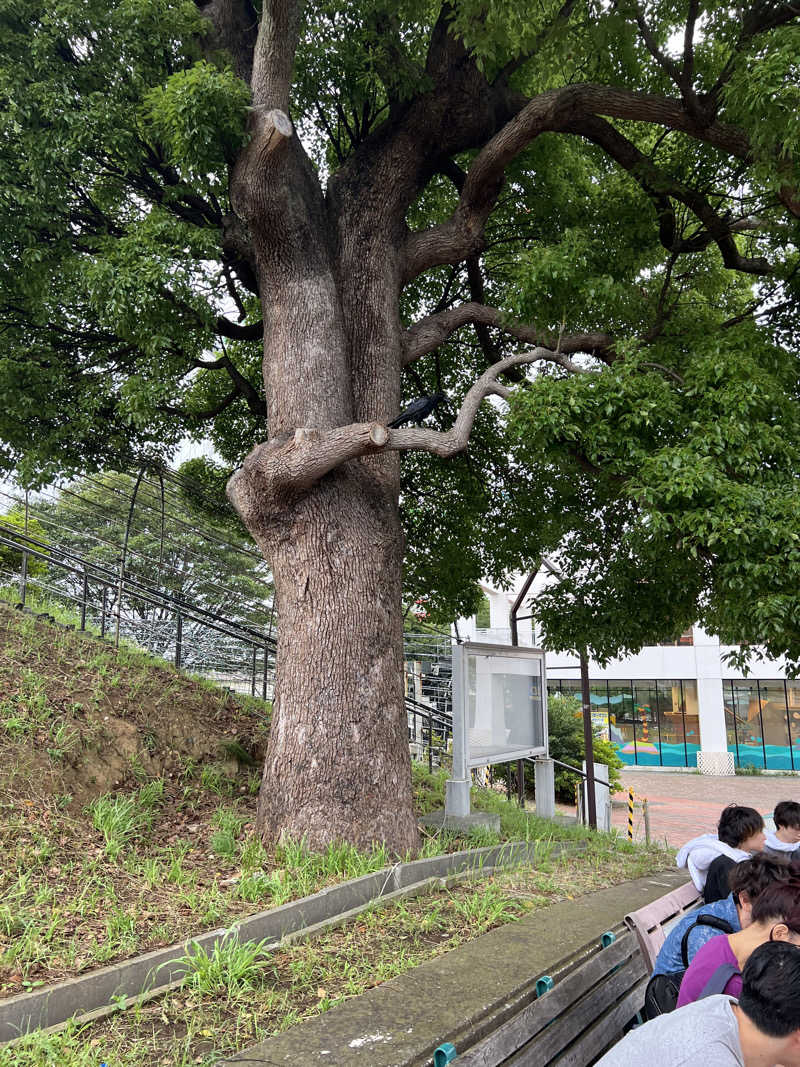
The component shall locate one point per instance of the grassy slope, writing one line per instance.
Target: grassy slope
(127, 805)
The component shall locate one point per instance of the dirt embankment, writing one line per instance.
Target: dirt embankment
(79, 718)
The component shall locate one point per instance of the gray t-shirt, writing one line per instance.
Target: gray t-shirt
(704, 1032)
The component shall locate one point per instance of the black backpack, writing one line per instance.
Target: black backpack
(661, 993)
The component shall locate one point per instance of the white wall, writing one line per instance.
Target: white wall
(702, 661)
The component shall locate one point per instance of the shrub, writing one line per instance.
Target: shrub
(566, 744)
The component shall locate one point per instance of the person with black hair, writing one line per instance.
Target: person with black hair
(762, 1030)
(740, 832)
(747, 880)
(784, 840)
(775, 916)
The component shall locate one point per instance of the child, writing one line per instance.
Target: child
(740, 832)
(785, 839)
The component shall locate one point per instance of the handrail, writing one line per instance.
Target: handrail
(141, 590)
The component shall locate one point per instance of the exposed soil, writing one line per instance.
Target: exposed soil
(78, 718)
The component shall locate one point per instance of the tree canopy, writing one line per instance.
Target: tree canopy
(271, 222)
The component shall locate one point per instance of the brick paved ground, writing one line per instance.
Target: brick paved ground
(685, 805)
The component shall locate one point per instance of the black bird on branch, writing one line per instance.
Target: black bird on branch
(417, 410)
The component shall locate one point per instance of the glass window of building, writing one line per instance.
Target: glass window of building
(775, 725)
(746, 711)
(793, 714)
(691, 721)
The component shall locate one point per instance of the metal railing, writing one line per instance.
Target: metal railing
(196, 638)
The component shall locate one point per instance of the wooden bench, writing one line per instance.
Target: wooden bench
(584, 1013)
(652, 923)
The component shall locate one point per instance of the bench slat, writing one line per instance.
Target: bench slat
(534, 1017)
(650, 922)
(592, 1044)
(571, 1024)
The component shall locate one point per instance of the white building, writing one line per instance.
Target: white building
(668, 703)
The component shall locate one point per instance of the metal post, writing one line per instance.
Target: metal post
(264, 682)
(179, 639)
(646, 813)
(23, 578)
(103, 613)
(119, 601)
(517, 604)
(521, 782)
(630, 814)
(430, 740)
(588, 739)
(456, 797)
(84, 600)
(253, 679)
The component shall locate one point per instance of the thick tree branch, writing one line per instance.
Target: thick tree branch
(462, 234)
(455, 440)
(235, 29)
(427, 334)
(273, 57)
(235, 331)
(293, 463)
(659, 186)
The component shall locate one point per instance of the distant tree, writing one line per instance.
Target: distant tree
(200, 560)
(13, 526)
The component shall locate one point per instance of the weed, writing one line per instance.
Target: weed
(223, 844)
(253, 855)
(123, 817)
(232, 967)
(486, 907)
(214, 779)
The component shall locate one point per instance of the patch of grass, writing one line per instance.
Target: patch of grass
(231, 968)
(122, 817)
(214, 779)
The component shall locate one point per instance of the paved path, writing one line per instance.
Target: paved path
(685, 805)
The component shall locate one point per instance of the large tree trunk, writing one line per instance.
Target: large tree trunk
(338, 764)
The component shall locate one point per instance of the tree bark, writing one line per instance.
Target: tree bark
(338, 763)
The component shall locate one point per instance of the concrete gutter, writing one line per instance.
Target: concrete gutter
(154, 973)
(462, 996)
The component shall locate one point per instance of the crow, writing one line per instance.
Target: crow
(418, 410)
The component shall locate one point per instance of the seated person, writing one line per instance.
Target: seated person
(784, 840)
(761, 1030)
(775, 916)
(747, 880)
(740, 832)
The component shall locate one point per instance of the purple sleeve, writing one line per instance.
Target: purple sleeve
(712, 955)
(734, 986)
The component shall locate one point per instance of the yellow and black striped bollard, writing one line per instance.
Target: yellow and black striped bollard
(630, 815)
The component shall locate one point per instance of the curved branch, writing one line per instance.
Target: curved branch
(292, 463)
(462, 234)
(450, 442)
(659, 186)
(427, 334)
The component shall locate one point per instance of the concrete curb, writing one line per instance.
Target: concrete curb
(461, 996)
(154, 972)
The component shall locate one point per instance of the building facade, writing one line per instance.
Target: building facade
(668, 703)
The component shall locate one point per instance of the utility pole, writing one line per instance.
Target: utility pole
(588, 740)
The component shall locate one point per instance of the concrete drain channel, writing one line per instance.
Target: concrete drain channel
(100, 993)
